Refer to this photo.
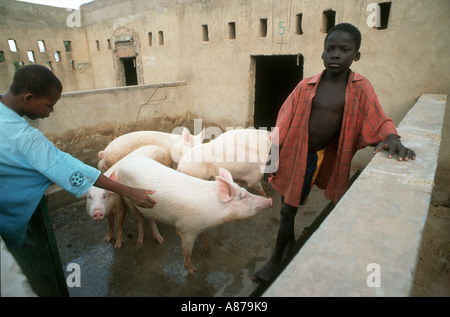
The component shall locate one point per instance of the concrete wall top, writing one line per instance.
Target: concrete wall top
(369, 244)
(106, 109)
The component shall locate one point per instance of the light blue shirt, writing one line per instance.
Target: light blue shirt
(29, 163)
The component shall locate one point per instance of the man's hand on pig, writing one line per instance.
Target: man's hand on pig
(140, 197)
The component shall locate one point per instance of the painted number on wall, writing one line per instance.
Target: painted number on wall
(282, 28)
(280, 31)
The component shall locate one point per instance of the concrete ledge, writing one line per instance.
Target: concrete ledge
(136, 87)
(369, 244)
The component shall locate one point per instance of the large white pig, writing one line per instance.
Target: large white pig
(190, 204)
(101, 203)
(258, 139)
(176, 144)
(242, 152)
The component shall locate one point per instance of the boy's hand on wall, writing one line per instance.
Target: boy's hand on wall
(393, 144)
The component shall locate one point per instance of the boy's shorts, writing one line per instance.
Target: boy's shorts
(312, 169)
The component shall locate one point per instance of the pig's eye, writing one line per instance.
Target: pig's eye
(242, 196)
(89, 196)
(104, 195)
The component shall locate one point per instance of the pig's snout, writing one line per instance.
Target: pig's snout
(98, 215)
(264, 203)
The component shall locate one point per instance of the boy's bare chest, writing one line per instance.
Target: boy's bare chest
(326, 115)
(329, 99)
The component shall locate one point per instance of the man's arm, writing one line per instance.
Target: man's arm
(138, 196)
(393, 144)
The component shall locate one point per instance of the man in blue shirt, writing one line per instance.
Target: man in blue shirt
(29, 162)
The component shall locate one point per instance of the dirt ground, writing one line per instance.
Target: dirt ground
(432, 277)
(433, 268)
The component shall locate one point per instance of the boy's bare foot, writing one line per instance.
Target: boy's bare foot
(267, 272)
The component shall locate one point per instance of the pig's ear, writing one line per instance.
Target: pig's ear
(113, 176)
(202, 135)
(186, 136)
(225, 174)
(185, 133)
(223, 189)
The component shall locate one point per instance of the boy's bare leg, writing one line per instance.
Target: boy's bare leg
(285, 243)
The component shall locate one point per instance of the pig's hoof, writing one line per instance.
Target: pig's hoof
(192, 270)
(107, 238)
(160, 239)
(140, 239)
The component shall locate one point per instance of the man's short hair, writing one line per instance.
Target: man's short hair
(35, 79)
(350, 29)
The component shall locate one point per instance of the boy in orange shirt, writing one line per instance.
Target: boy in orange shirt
(321, 125)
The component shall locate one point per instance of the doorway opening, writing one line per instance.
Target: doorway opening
(129, 67)
(276, 77)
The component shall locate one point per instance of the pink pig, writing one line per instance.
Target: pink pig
(242, 152)
(101, 203)
(175, 144)
(190, 204)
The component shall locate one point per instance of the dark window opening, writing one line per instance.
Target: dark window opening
(18, 65)
(2, 56)
(298, 26)
(263, 27)
(275, 79)
(328, 20)
(232, 31)
(205, 34)
(129, 67)
(150, 39)
(385, 8)
(108, 42)
(161, 37)
(97, 44)
(68, 46)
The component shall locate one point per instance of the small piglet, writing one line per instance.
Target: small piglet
(175, 144)
(243, 153)
(190, 204)
(101, 203)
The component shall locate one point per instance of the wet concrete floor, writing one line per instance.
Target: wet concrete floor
(151, 270)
